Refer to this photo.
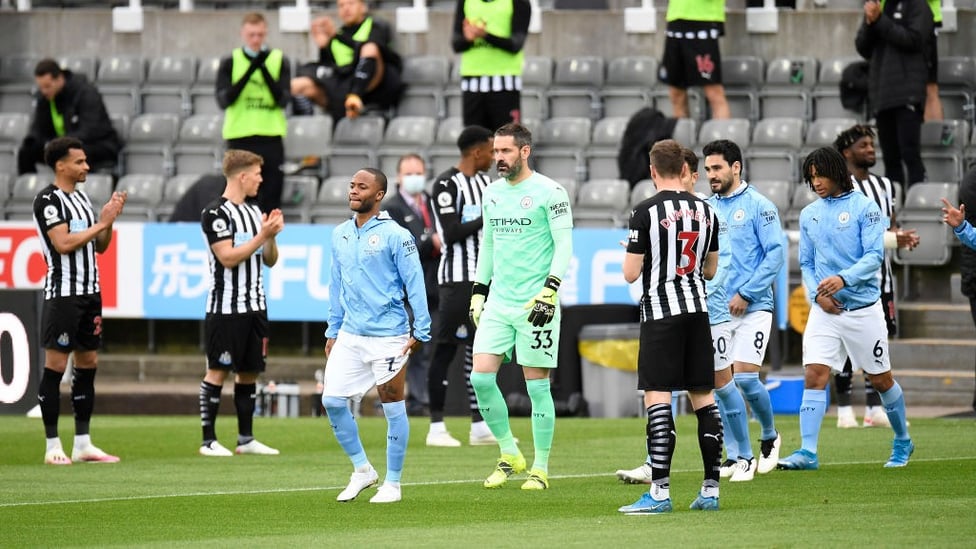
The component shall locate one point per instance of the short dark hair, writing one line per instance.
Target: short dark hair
(57, 148)
(667, 157)
(409, 156)
(521, 134)
(690, 158)
(379, 176)
(852, 135)
(830, 164)
(472, 136)
(47, 66)
(728, 149)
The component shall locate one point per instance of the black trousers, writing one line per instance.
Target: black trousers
(31, 152)
(272, 150)
(900, 136)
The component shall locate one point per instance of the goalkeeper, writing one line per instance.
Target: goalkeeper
(525, 250)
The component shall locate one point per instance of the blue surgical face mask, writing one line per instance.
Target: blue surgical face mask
(413, 184)
(252, 53)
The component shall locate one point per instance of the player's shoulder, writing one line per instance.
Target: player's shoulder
(214, 208)
(48, 194)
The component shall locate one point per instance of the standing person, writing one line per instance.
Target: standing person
(893, 38)
(673, 248)
(240, 239)
(691, 55)
(731, 405)
(756, 235)
(959, 222)
(252, 89)
(410, 207)
(72, 316)
(357, 66)
(525, 248)
(933, 104)
(856, 144)
(457, 200)
(369, 337)
(67, 105)
(841, 252)
(490, 35)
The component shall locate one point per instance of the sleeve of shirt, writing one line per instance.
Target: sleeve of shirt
(561, 226)
(215, 225)
(336, 313)
(407, 261)
(966, 234)
(47, 212)
(448, 208)
(638, 238)
(807, 267)
(521, 16)
(486, 253)
(458, 42)
(769, 230)
(872, 227)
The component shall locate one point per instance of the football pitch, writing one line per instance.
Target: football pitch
(163, 494)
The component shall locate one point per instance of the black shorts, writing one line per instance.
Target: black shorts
(890, 313)
(237, 342)
(74, 322)
(491, 110)
(691, 61)
(932, 57)
(676, 354)
(337, 86)
(454, 323)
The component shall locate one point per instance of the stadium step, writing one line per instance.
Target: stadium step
(950, 321)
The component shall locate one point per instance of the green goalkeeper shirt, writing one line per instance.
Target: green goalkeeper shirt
(527, 237)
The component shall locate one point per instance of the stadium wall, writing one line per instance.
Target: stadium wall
(815, 33)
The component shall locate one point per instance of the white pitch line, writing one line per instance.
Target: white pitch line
(429, 483)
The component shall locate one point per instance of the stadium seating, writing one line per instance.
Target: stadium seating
(572, 188)
(826, 94)
(20, 206)
(425, 77)
(297, 194)
(779, 192)
(786, 92)
(801, 197)
(119, 80)
(145, 192)
(307, 141)
(629, 85)
(149, 149)
(943, 142)
(202, 98)
(742, 77)
(601, 155)
(643, 190)
(173, 189)
(331, 206)
(17, 82)
(13, 128)
(957, 87)
(98, 187)
(602, 203)
(405, 135)
(558, 150)
(167, 87)
(685, 132)
(86, 65)
(6, 182)
(355, 142)
(536, 79)
(575, 87)
(736, 130)
(923, 202)
(775, 144)
(444, 152)
(200, 146)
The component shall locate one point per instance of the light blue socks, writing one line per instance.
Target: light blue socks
(813, 406)
(758, 398)
(894, 403)
(397, 435)
(345, 429)
(732, 407)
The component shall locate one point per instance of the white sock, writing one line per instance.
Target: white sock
(845, 410)
(709, 491)
(53, 443)
(82, 441)
(364, 468)
(438, 427)
(480, 428)
(659, 492)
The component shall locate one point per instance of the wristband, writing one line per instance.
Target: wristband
(479, 289)
(552, 283)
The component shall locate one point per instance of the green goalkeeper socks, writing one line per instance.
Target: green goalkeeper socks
(492, 405)
(543, 421)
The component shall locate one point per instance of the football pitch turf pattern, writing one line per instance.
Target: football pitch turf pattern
(163, 494)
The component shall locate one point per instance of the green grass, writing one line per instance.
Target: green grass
(163, 494)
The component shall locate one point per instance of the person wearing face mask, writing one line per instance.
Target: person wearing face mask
(252, 89)
(410, 206)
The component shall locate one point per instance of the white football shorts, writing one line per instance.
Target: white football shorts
(359, 362)
(861, 334)
(721, 345)
(750, 337)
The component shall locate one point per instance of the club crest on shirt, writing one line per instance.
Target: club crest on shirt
(373, 240)
(526, 202)
(844, 217)
(444, 199)
(739, 215)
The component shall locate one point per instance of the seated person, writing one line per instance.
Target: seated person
(68, 105)
(357, 64)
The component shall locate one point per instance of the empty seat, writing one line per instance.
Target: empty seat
(405, 135)
(13, 127)
(145, 192)
(307, 141)
(629, 85)
(602, 203)
(200, 146)
(825, 99)
(685, 132)
(297, 194)
(167, 87)
(173, 190)
(643, 190)
(821, 133)
(331, 206)
(17, 82)
(779, 192)
(119, 80)
(943, 142)
(601, 155)
(202, 92)
(425, 77)
(6, 182)
(150, 146)
(86, 65)
(572, 188)
(99, 187)
(355, 142)
(558, 149)
(444, 153)
(536, 78)
(957, 86)
(786, 92)
(736, 130)
(20, 206)
(575, 87)
(742, 76)
(923, 202)
(775, 145)
(801, 196)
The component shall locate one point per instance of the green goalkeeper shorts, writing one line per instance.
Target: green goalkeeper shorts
(504, 327)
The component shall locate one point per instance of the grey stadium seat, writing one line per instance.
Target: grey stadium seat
(786, 92)
(200, 146)
(575, 87)
(629, 84)
(202, 98)
(685, 132)
(601, 155)
(733, 129)
(558, 150)
(13, 127)
(167, 88)
(775, 145)
(957, 87)
(98, 187)
(331, 206)
(173, 189)
(119, 80)
(145, 192)
(923, 202)
(444, 152)
(825, 100)
(354, 144)
(150, 146)
(602, 203)
(536, 78)
(821, 133)
(297, 194)
(943, 143)
(779, 192)
(80, 64)
(643, 190)
(20, 206)
(404, 135)
(426, 78)
(742, 76)
(17, 82)
(308, 137)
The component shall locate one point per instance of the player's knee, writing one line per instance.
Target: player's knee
(333, 404)
(481, 381)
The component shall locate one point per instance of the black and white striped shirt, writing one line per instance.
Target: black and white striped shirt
(240, 289)
(674, 231)
(882, 192)
(75, 273)
(457, 218)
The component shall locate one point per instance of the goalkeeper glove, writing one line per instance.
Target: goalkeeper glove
(543, 305)
(479, 292)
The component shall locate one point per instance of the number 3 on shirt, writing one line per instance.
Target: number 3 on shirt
(688, 238)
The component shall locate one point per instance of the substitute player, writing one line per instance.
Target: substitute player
(369, 337)
(525, 249)
(673, 248)
(72, 315)
(841, 251)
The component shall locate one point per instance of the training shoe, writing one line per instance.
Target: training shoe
(769, 454)
(214, 449)
(640, 475)
(507, 466)
(56, 456)
(727, 468)
(745, 470)
(703, 503)
(901, 450)
(93, 454)
(357, 483)
(800, 460)
(389, 492)
(647, 505)
(878, 418)
(442, 439)
(538, 480)
(846, 420)
(256, 448)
